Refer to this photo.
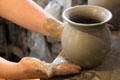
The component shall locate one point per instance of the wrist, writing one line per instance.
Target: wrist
(48, 69)
(9, 69)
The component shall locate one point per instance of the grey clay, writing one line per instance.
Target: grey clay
(85, 44)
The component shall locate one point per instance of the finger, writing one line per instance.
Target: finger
(67, 67)
(71, 66)
(68, 72)
(75, 66)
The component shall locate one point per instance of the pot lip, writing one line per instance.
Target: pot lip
(87, 25)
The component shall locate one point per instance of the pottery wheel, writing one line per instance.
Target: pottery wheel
(108, 70)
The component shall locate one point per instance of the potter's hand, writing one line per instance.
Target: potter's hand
(65, 69)
(34, 68)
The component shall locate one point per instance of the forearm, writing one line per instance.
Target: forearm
(10, 70)
(29, 15)
(27, 68)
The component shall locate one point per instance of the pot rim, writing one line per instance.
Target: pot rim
(87, 25)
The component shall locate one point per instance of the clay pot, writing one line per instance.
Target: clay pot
(85, 39)
(113, 6)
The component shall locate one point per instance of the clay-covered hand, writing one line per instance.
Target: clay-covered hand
(34, 68)
(65, 69)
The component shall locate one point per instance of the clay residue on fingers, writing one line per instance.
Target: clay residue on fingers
(47, 69)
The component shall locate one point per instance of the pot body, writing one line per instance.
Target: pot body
(113, 6)
(85, 44)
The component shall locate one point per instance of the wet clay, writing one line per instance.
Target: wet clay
(84, 42)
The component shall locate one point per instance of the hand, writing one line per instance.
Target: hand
(65, 69)
(34, 68)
